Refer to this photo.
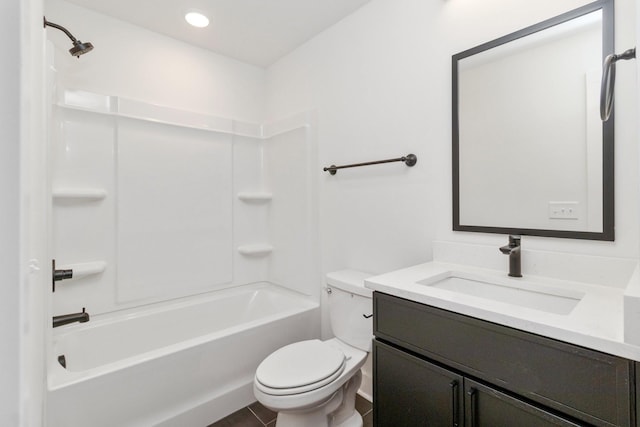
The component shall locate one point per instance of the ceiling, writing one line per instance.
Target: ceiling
(258, 32)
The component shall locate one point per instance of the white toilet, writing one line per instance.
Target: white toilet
(313, 383)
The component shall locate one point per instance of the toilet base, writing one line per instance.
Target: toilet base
(355, 420)
(338, 411)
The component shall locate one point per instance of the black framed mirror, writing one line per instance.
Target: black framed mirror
(530, 153)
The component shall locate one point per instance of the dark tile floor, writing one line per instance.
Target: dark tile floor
(256, 415)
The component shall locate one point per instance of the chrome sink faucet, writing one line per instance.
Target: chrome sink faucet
(513, 250)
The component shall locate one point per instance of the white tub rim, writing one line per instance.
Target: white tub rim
(59, 377)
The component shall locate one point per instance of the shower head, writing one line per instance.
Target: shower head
(78, 48)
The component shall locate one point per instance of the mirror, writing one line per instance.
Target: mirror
(530, 153)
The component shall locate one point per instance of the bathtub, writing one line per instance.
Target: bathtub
(184, 363)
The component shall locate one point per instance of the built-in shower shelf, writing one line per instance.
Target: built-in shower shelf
(255, 197)
(116, 106)
(256, 250)
(84, 269)
(79, 193)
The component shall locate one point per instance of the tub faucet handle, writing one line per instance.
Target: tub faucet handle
(57, 275)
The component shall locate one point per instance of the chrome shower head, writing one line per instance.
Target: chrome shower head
(78, 48)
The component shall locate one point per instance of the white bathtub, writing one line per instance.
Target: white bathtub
(184, 363)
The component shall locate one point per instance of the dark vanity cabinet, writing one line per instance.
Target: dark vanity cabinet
(436, 368)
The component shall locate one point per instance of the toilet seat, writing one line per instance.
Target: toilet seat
(300, 367)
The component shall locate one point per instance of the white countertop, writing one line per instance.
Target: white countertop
(596, 322)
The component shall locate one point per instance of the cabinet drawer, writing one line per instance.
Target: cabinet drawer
(586, 384)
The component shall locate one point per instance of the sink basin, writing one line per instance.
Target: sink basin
(511, 291)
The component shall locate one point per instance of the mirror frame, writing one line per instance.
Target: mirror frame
(608, 212)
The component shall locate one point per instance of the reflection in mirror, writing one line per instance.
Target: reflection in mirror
(531, 155)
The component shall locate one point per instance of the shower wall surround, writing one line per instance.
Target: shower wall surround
(153, 203)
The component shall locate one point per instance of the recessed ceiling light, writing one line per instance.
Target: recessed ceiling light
(197, 19)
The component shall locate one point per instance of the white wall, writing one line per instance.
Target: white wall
(637, 96)
(9, 212)
(289, 158)
(21, 220)
(381, 82)
(135, 63)
(35, 261)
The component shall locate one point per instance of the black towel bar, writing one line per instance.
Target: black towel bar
(409, 160)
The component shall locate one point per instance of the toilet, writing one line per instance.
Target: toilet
(313, 383)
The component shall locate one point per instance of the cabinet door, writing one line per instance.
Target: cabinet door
(409, 391)
(487, 407)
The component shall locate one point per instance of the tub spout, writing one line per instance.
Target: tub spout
(70, 318)
(513, 250)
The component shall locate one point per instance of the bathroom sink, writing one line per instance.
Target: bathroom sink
(537, 296)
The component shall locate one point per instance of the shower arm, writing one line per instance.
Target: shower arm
(59, 27)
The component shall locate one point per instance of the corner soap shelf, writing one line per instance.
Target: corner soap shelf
(255, 250)
(88, 194)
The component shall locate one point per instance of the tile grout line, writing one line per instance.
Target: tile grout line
(265, 424)
(257, 417)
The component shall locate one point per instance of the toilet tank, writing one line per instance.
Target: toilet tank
(350, 308)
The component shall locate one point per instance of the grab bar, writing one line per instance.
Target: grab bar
(409, 160)
(609, 80)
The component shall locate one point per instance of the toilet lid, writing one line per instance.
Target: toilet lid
(300, 364)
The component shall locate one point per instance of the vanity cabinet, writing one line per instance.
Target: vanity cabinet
(434, 367)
